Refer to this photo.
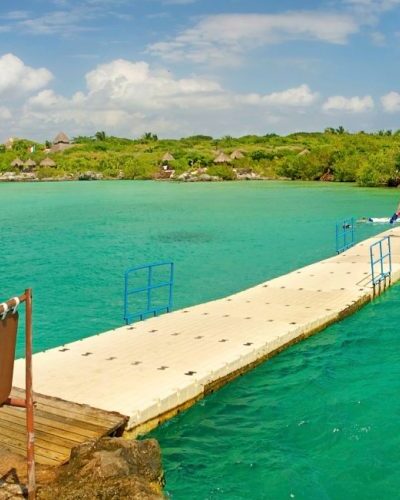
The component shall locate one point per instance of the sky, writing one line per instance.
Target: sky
(184, 67)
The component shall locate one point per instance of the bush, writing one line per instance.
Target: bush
(223, 171)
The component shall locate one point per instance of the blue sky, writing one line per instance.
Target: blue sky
(180, 67)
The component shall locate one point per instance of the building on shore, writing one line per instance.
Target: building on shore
(17, 163)
(222, 158)
(47, 162)
(9, 143)
(237, 155)
(60, 143)
(29, 165)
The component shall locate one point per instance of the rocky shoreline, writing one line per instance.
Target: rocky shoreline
(110, 468)
(96, 176)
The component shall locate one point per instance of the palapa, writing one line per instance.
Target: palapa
(237, 155)
(222, 158)
(17, 163)
(29, 165)
(168, 157)
(61, 138)
(47, 162)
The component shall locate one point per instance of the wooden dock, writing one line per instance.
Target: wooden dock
(59, 427)
(151, 370)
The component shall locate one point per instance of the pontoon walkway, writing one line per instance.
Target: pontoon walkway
(152, 369)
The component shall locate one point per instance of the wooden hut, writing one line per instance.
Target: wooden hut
(222, 158)
(61, 142)
(47, 162)
(29, 165)
(17, 163)
(236, 155)
(304, 152)
(167, 157)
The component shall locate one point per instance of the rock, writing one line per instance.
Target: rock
(90, 176)
(109, 469)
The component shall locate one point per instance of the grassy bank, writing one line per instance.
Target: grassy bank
(333, 155)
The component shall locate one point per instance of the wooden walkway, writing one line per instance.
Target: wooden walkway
(59, 427)
(151, 370)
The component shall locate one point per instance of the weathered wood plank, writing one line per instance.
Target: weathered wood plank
(59, 427)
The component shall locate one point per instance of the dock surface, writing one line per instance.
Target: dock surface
(59, 427)
(150, 370)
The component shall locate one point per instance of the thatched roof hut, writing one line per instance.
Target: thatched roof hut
(17, 163)
(47, 162)
(304, 152)
(168, 157)
(222, 158)
(29, 165)
(61, 138)
(237, 155)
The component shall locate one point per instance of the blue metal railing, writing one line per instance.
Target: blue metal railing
(344, 234)
(381, 266)
(147, 290)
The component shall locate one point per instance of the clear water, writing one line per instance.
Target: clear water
(318, 421)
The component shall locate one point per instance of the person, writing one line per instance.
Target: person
(396, 215)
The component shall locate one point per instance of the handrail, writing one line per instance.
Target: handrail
(382, 260)
(345, 234)
(148, 288)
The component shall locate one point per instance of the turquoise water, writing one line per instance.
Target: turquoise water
(319, 420)
(72, 241)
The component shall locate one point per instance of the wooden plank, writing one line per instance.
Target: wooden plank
(56, 424)
(60, 432)
(43, 435)
(82, 413)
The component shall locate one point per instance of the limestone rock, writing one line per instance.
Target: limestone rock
(109, 469)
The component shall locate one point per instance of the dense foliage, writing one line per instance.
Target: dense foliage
(335, 155)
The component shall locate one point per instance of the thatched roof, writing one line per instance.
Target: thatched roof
(61, 138)
(47, 162)
(222, 158)
(30, 163)
(168, 157)
(304, 152)
(237, 155)
(17, 163)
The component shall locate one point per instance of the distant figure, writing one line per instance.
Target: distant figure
(396, 215)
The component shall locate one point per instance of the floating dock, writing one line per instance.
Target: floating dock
(151, 370)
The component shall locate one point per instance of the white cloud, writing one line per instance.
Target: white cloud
(223, 38)
(16, 77)
(295, 97)
(354, 104)
(128, 97)
(391, 102)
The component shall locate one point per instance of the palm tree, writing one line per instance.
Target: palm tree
(100, 135)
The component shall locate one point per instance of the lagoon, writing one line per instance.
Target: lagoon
(291, 427)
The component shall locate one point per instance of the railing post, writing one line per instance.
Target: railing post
(29, 398)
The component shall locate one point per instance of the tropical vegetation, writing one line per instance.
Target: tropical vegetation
(369, 159)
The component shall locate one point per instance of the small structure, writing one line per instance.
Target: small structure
(61, 142)
(167, 157)
(9, 143)
(237, 155)
(17, 163)
(222, 158)
(29, 165)
(47, 162)
(304, 152)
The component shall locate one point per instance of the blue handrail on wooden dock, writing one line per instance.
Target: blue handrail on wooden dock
(147, 289)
